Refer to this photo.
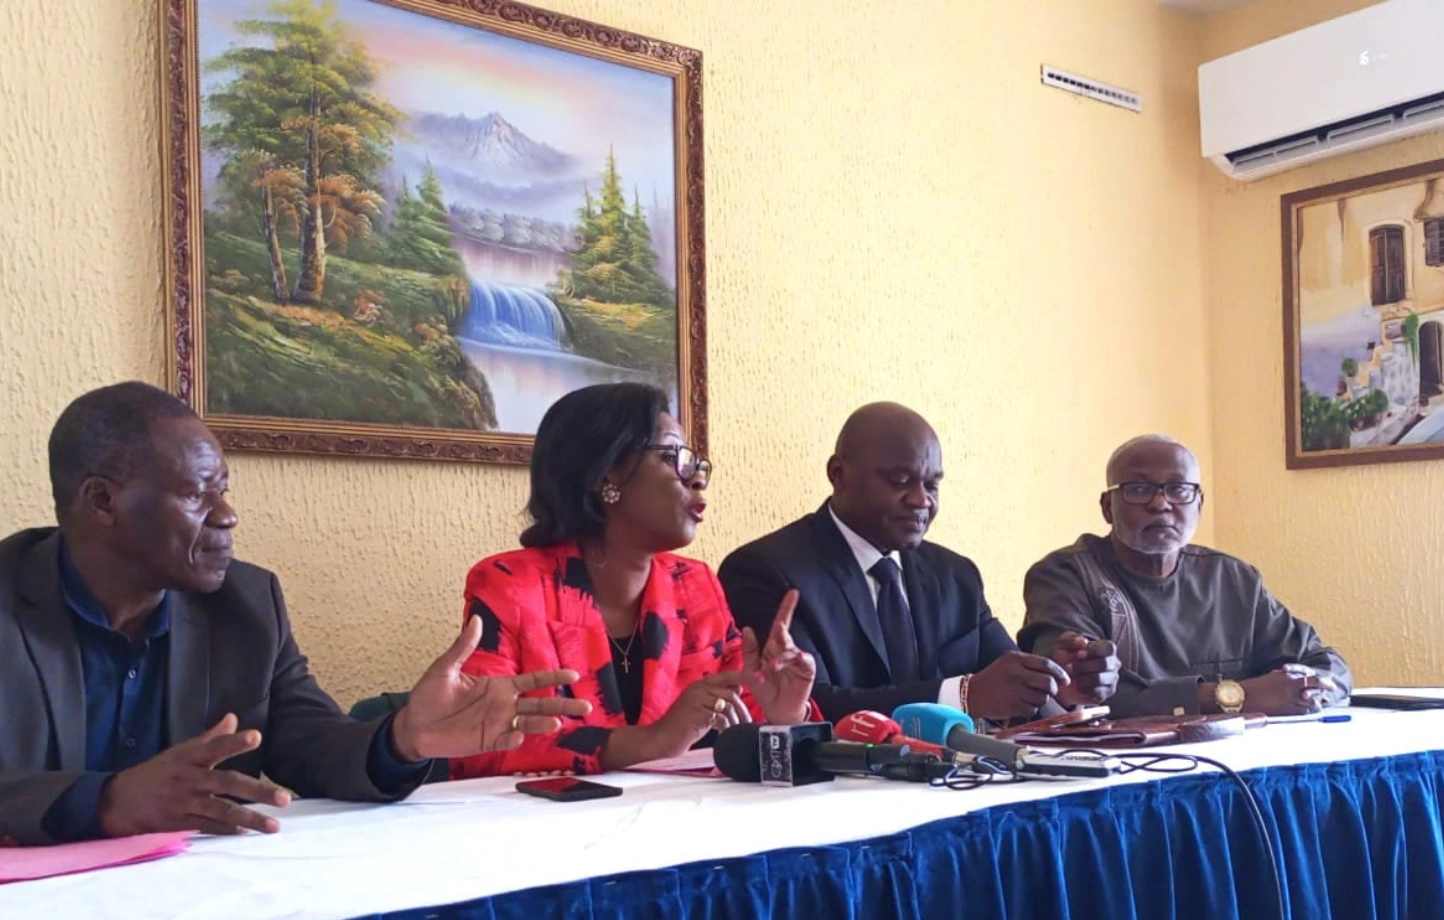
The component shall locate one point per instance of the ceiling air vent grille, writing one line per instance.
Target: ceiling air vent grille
(1093, 89)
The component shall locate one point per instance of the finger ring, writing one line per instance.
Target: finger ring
(719, 706)
(516, 722)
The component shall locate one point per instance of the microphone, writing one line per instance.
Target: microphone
(931, 722)
(871, 727)
(946, 726)
(796, 755)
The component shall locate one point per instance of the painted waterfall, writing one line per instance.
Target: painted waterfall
(412, 222)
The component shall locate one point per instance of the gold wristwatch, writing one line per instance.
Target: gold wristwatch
(1229, 696)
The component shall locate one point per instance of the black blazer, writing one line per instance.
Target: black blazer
(230, 651)
(836, 618)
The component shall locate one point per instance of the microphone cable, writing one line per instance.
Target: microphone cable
(1187, 763)
(984, 771)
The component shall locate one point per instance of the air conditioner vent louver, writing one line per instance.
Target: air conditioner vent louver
(1429, 110)
(1346, 84)
(1093, 89)
(1419, 112)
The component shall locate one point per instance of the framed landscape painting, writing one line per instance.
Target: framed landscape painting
(405, 228)
(1363, 268)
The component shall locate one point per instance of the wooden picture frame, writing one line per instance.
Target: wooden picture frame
(368, 252)
(1363, 291)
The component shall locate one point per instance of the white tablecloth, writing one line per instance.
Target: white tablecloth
(454, 842)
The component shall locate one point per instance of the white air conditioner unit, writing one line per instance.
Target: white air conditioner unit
(1357, 81)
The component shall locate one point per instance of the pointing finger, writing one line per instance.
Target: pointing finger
(785, 611)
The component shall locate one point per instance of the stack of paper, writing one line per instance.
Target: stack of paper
(693, 763)
(22, 864)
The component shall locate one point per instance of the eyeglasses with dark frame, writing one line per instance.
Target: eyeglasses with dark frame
(1141, 493)
(686, 462)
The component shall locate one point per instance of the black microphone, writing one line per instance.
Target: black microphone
(796, 755)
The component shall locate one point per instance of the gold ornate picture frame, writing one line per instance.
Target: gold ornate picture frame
(1363, 289)
(403, 228)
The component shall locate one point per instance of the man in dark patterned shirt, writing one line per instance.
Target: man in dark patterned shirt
(1196, 630)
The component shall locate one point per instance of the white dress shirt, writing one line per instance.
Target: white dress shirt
(867, 556)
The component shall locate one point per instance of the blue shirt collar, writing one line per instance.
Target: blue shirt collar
(82, 602)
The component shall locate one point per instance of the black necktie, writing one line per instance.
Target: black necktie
(897, 622)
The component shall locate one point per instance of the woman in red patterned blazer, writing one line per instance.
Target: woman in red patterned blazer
(614, 490)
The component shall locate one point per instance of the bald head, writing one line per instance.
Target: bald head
(880, 421)
(885, 475)
(1129, 452)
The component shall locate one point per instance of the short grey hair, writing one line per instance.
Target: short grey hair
(1117, 456)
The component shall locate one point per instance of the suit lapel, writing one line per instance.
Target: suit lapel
(842, 567)
(925, 604)
(579, 634)
(188, 674)
(659, 674)
(49, 630)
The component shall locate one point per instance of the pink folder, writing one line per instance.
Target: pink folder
(21, 864)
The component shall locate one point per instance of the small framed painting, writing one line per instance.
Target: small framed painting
(1363, 269)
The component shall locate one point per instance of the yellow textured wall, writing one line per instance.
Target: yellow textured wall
(896, 209)
(1358, 551)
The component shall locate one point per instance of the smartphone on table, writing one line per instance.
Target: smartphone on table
(567, 789)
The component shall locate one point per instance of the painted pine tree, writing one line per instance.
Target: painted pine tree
(612, 260)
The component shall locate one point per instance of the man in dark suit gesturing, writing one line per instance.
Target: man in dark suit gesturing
(889, 617)
(147, 679)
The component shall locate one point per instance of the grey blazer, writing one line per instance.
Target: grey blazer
(230, 651)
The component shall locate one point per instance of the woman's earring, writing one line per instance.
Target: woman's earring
(610, 494)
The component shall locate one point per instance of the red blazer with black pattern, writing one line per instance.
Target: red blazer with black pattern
(538, 613)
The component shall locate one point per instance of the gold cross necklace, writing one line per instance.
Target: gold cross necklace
(627, 650)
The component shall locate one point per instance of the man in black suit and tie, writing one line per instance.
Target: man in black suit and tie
(889, 617)
(147, 679)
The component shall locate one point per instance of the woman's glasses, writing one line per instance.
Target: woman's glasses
(687, 463)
